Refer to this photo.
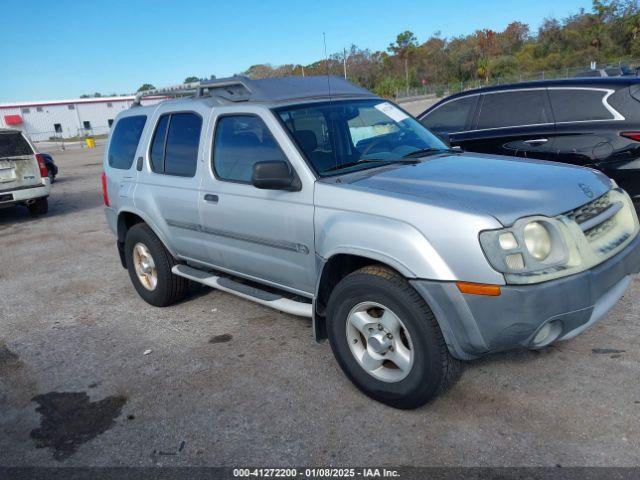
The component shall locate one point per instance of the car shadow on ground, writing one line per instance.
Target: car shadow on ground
(60, 203)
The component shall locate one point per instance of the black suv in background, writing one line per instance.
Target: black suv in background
(591, 122)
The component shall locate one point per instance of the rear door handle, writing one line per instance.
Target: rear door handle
(536, 141)
(211, 198)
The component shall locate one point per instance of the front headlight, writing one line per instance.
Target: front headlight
(537, 240)
(537, 249)
(531, 245)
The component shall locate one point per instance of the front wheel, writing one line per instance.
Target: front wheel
(149, 264)
(387, 340)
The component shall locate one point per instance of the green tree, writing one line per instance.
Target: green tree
(404, 47)
(145, 87)
(191, 79)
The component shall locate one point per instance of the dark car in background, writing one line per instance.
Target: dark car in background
(52, 168)
(591, 122)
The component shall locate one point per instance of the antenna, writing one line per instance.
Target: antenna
(326, 59)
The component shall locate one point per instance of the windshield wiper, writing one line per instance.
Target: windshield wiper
(371, 160)
(423, 152)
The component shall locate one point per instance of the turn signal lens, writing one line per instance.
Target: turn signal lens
(479, 289)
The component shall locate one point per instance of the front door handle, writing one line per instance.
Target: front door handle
(536, 141)
(211, 198)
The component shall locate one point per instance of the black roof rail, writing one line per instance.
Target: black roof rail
(244, 89)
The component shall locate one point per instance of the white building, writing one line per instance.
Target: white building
(66, 118)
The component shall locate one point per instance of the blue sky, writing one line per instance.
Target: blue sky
(61, 49)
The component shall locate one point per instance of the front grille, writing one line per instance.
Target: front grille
(590, 210)
(600, 223)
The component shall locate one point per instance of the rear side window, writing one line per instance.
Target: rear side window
(450, 117)
(240, 142)
(579, 105)
(174, 149)
(124, 141)
(13, 144)
(510, 109)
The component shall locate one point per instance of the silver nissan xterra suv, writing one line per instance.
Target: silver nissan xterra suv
(317, 198)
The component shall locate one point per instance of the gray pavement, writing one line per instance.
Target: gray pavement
(229, 382)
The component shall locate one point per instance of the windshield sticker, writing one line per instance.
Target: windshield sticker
(394, 113)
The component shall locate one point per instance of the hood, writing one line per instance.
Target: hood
(506, 188)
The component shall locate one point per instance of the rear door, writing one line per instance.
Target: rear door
(515, 123)
(18, 164)
(168, 184)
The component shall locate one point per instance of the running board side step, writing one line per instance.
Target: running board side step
(242, 290)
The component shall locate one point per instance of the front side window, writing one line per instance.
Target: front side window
(240, 142)
(511, 109)
(174, 148)
(345, 136)
(124, 141)
(451, 117)
(579, 105)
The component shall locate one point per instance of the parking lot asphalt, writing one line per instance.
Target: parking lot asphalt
(228, 382)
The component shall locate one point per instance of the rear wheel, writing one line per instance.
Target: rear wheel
(39, 207)
(387, 340)
(149, 264)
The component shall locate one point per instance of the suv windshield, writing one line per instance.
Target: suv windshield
(345, 136)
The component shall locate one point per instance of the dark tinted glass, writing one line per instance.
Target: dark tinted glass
(124, 141)
(181, 151)
(526, 107)
(240, 142)
(450, 117)
(157, 146)
(13, 144)
(578, 105)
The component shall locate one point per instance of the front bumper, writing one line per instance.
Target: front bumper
(475, 325)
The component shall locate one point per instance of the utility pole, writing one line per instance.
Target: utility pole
(344, 62)
(302, 66)
(406, 70)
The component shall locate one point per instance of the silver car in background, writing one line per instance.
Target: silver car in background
(317, 198)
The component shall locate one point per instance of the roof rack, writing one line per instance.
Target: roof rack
(234, 89)
(244, 89)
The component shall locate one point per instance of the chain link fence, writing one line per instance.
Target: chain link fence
(626, 68)
(53, 140)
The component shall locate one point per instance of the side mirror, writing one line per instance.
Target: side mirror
(274, 175)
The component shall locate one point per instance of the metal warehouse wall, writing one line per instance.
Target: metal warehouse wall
(39, 121)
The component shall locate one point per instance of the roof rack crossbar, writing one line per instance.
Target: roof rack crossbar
(235, 89)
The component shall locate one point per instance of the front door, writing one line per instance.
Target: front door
(263, 234)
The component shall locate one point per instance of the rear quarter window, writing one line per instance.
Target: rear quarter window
(124, 141)
(13, 144)
(579, 105)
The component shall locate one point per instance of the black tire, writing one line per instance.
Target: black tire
(433, 370)
(39, 207)
(52, 176)
(170, 288)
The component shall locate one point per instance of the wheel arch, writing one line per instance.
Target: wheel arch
(129, 218)
(335, 268)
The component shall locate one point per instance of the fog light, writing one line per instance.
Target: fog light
(547, 334)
